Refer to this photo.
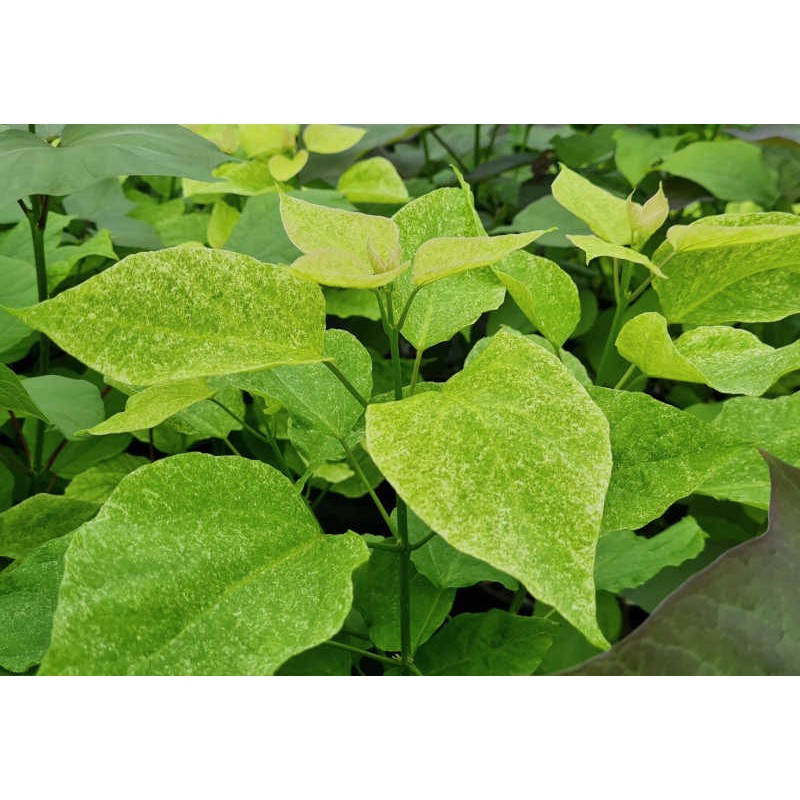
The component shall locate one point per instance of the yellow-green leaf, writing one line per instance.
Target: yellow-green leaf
(331, 138)
(374, 180)
(284, 168)
(594, 248)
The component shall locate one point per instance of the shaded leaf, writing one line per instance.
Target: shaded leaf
(71, 405)
(95, 484)
(637, 151)
(547, 212)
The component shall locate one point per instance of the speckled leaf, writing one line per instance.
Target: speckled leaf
(438, 258)
(604, 213)
(28, 596)
(331, 138)
(492, 643)
(377, 598)
(773, 425)
(71, 405)
(342, 269)
(595, 248)
(374, 180)
(731, 268)
(625, 560)
(194, 566)
(737, 616)
(443, 308)
(14, 397)
(185, 313)
(38, 519)
(545, 294)
(206, 419)
(148, 408)
(509, 462)
(661, 454)
(94, 485)
(731, 170)
(730, 360)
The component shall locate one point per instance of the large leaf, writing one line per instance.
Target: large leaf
(736, 617)
(194, 566)
(89, 153)
(442, 308)
(38, 519)
(729, 268)
(661, 454)
(544, 213)
(637, 151)
(28, 596)
(185, 313)
(509, 462)
(545, 294)
(732, 170)
(730, 360)
(492, 643)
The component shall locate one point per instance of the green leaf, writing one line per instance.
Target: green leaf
(646, 219)
(625, 560)
(772, 425)
(492, 643)
(331, 138)
(95, 484)
(221, 224)
(192, 567)
(318, 661)
(17, 290)
(62, 261)
(661, 454)
(262, 139)
(185, 313)
(38, 519)
(736, 617)
(604, 213)
(28, 597)
(730, 360)
(284, 168)
(374, 180)
(729, 268)
(444, 566)
(14, 397)
(377, 598)
(155, 404)
(89, 153)
(638, 151)
(6, 487)
(595, 248)
(545, 294)
(71, 405)
(344, 303)
(438, 258)
(247, 179)
(730, 170)
(546, 213)
(533, 462)
(443, 308)
(343, 269)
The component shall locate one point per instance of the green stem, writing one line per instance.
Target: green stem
(363, 653)
(346, 383)
(353, 461)
(415, 372)
(452, 153)
(624, 379)
(621, 295)
(491, 141)
(231, 446)
(427, 153)
(639, 290)
(422, 542)
(476, 146)
(404, 313)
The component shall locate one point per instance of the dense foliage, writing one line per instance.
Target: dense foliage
(440, 400)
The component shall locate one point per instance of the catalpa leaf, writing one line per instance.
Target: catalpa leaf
(148, 408)
(661, 454)
(545, 294)
(441, 257)
(595, 248)
(331, 138)
(730, 360)
(28, 597)
(374, 180)
(604, 213)
(638, 151)
(443, 308)
(185, 313)
(38, 519)
(731, 268)
(260, 140)
(737, 616)
(71, 405)
(221, 224)
(188, 570)
(509, 462)
(492, 643)
(17, 290)
(625, 560)
(284, 168)
(95, 484)
(14, 397)
(343, 269)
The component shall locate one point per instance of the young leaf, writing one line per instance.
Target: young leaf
(441, 257)
(545, 294)
(284, 168)
(604, 213)
(28, 596)
(374, 180)
(661, 454)
(193, 567)
(343, 269)
(594, 248)
(625, 560)
(736, 617)
(509, 463)
(646, 219)
(185, 313)
(492, 643)
(729, 268)
(331, 138)
(730, 360)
